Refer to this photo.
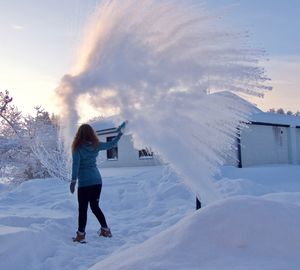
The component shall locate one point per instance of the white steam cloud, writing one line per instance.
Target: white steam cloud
(162, 65)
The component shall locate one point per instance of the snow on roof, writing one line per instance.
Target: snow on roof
(104, 123)
(251, 106)
(264, 117)
(257, 116)
(275, 118)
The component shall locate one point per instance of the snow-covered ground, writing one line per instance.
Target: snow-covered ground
(154, 225)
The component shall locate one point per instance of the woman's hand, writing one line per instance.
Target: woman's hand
(121, 127)
(72, 186)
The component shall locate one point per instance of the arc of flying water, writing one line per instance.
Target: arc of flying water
(163, 65)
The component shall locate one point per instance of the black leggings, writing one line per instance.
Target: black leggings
(86, 195)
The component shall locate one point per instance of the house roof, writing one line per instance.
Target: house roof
(259, 116)
(253, 109)
(104, 125)
(277, 119)
(107, 125)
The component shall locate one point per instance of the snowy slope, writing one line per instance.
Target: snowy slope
(259, 180)
(239, 233)
(242, 232)
(256, 226)
(38, 218)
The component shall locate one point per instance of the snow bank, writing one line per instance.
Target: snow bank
(237, 233)
(258, 180)
(38, 219)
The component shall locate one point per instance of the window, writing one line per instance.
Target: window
(112, 154)
(145, 154)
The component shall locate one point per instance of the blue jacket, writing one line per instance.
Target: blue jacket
(84, 166)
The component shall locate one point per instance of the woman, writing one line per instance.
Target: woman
(85, 149)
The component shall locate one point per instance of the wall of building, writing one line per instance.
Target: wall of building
(263, 144)
(127, 155)
(298, 144)
(272, 139)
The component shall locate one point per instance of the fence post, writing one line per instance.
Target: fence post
(198, 203)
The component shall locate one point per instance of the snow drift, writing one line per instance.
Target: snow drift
(237, 233)
(39, 217)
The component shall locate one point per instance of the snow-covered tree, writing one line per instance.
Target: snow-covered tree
(280, 111)
(272, 110)
(30, 147)
(47, 144)
(10, 117)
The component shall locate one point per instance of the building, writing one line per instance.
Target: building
(269, 139)
(124, 155)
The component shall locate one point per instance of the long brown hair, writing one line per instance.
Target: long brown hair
(85, 133)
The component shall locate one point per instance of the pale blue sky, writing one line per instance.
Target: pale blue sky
(273, 24)
(39, 39)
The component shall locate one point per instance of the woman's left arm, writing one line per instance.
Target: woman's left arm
(75, 165)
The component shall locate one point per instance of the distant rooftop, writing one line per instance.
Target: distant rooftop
(102, 124)
(276, 118)
(105, 124)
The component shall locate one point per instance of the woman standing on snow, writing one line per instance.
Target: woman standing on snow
(85, 149)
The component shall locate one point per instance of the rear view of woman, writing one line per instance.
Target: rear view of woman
(85, 149)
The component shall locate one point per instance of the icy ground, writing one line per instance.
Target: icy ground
(256, 227)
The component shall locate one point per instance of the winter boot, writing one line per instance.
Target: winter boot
(105, 232)
(80, 237)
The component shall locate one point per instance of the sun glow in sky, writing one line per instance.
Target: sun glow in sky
(39, 40)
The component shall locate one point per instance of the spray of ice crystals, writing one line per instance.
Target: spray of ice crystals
(163, 65)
